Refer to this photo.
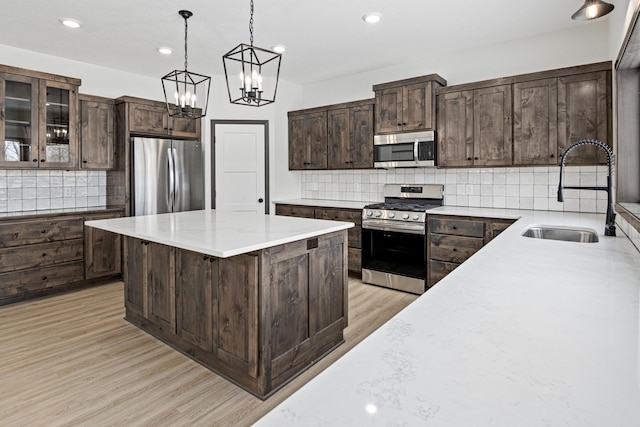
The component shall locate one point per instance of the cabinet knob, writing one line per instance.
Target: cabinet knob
(475, 158)
(42, 160)
(34, 160)
(399, 124)
(455, 250)
(552, 155)
(468, 158)
(44, 277)
(84, 161)
(404, 124)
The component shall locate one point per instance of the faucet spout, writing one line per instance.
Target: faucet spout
(610, 227)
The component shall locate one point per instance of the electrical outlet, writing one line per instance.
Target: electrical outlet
(553, 191)
(469, 190)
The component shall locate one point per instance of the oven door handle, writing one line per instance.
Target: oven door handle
(415, 150)
(373, 224)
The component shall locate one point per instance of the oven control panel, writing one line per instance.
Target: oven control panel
(407, 216)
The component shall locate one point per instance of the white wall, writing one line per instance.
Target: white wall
(113, 83)
(583, 44)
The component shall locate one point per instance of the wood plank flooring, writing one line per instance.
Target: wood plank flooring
(72, 360)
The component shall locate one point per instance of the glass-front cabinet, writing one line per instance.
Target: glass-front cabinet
(38, 123)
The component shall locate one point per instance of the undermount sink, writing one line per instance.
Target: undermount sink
(558, 232)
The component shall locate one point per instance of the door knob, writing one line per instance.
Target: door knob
(260, 200)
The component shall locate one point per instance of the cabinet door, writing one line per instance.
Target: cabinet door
(135, 276)
(297, 142)
(185, 127)
(317, 140)
(361, 136)
(58, 125)
(161, 286)
(455, 129)
(492, 130)
(535, 122)
(583, 113)
(148, 119)
(97, 135)
(18, 121)
(416, 107)
(339, 143)
(102, 250)
(195, 277)
(389, 110)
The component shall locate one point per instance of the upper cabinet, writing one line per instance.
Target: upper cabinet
(38, 119)
(332, 137)
(152, 118)
(526, 120)
(406, 105)
(97, 133)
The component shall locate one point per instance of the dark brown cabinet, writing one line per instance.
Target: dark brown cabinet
(152, 118)
(53, 253)
(102, 249)
(334, 214)
(406, 105)
(97, 133)
(584, 112)
(535, 122)
(308, 140)
(451, 240)
(350, 136)
(38, 119)
(551, 110)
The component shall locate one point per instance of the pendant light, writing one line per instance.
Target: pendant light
(592, 9)
(186, 94)
(252, 70)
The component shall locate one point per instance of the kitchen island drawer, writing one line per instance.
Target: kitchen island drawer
(456, 249)
(457, 227)
(40, 255)
(26, 232)
(23, 282)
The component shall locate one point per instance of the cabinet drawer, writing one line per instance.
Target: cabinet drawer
(457, 227)
(35, 279)
(17, 233)
(297, 211)
(439, 269)
(453, 248)
(39, 255)
(340, 215)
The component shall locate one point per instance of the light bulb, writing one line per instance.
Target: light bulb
(182, 101)
(592, 11)
(177, 98)
(193, 101)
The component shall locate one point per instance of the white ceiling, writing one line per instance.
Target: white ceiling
(324, 38)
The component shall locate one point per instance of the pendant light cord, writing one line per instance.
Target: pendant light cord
(251, 25)
(185, 43)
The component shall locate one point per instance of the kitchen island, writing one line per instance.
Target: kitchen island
(526, 332)
(256, 298)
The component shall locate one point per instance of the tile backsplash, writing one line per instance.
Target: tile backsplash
(27, 190)
(516, 188)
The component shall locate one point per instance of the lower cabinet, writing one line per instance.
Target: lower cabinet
(452, 240)
(47, 254)
(333, 214)
(258, 319)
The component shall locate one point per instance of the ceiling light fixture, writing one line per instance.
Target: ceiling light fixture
(592, 9)
(372, 18)
(250, 64)
(279, 48)
(165, 50)
(71, 23)
(184, 85)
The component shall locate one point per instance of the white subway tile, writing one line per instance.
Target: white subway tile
(526, 190)
(526, 178)
(540, 204)
(513, 202)
(571, 205)
(43, 203)
(499, 202)
(587, 205)
(29, 205)
(29, 193)
(526, 202)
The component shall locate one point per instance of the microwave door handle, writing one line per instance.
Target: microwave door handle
(415, 150)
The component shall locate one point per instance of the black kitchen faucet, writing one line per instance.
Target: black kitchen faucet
(610, 226)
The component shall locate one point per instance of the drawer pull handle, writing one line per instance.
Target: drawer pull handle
(455, 250)
(44, 255)
(43, 231)
(44, 277)
(455, 228)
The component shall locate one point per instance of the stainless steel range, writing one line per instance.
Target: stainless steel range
(394, 241)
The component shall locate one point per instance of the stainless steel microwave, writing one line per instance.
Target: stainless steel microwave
(405, 150)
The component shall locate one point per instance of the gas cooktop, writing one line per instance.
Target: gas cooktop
(410, 207)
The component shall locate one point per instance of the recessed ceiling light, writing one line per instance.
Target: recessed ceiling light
(165, 50)
(71, 23)
(279, 48)
(372, 17)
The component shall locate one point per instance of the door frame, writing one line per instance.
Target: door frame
(265, 124)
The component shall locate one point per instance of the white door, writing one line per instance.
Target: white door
(240, 167)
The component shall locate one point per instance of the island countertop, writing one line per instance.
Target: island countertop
(526, 332)
(217, 233)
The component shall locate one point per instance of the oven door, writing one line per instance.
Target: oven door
(394, 259)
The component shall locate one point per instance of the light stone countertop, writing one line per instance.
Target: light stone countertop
(527, 332)
(217, 233)
(326, 203)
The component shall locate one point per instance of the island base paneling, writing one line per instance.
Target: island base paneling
(258, 319)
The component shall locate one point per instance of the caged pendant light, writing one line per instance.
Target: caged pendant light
(592, 9)
(188, 92)
(249, 67)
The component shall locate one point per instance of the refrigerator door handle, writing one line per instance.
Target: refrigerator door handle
(177, 184)
(171, 181)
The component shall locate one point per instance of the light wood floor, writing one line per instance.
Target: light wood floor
(72, 360)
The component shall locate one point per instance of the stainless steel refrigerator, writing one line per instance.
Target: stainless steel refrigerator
(167, 176)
